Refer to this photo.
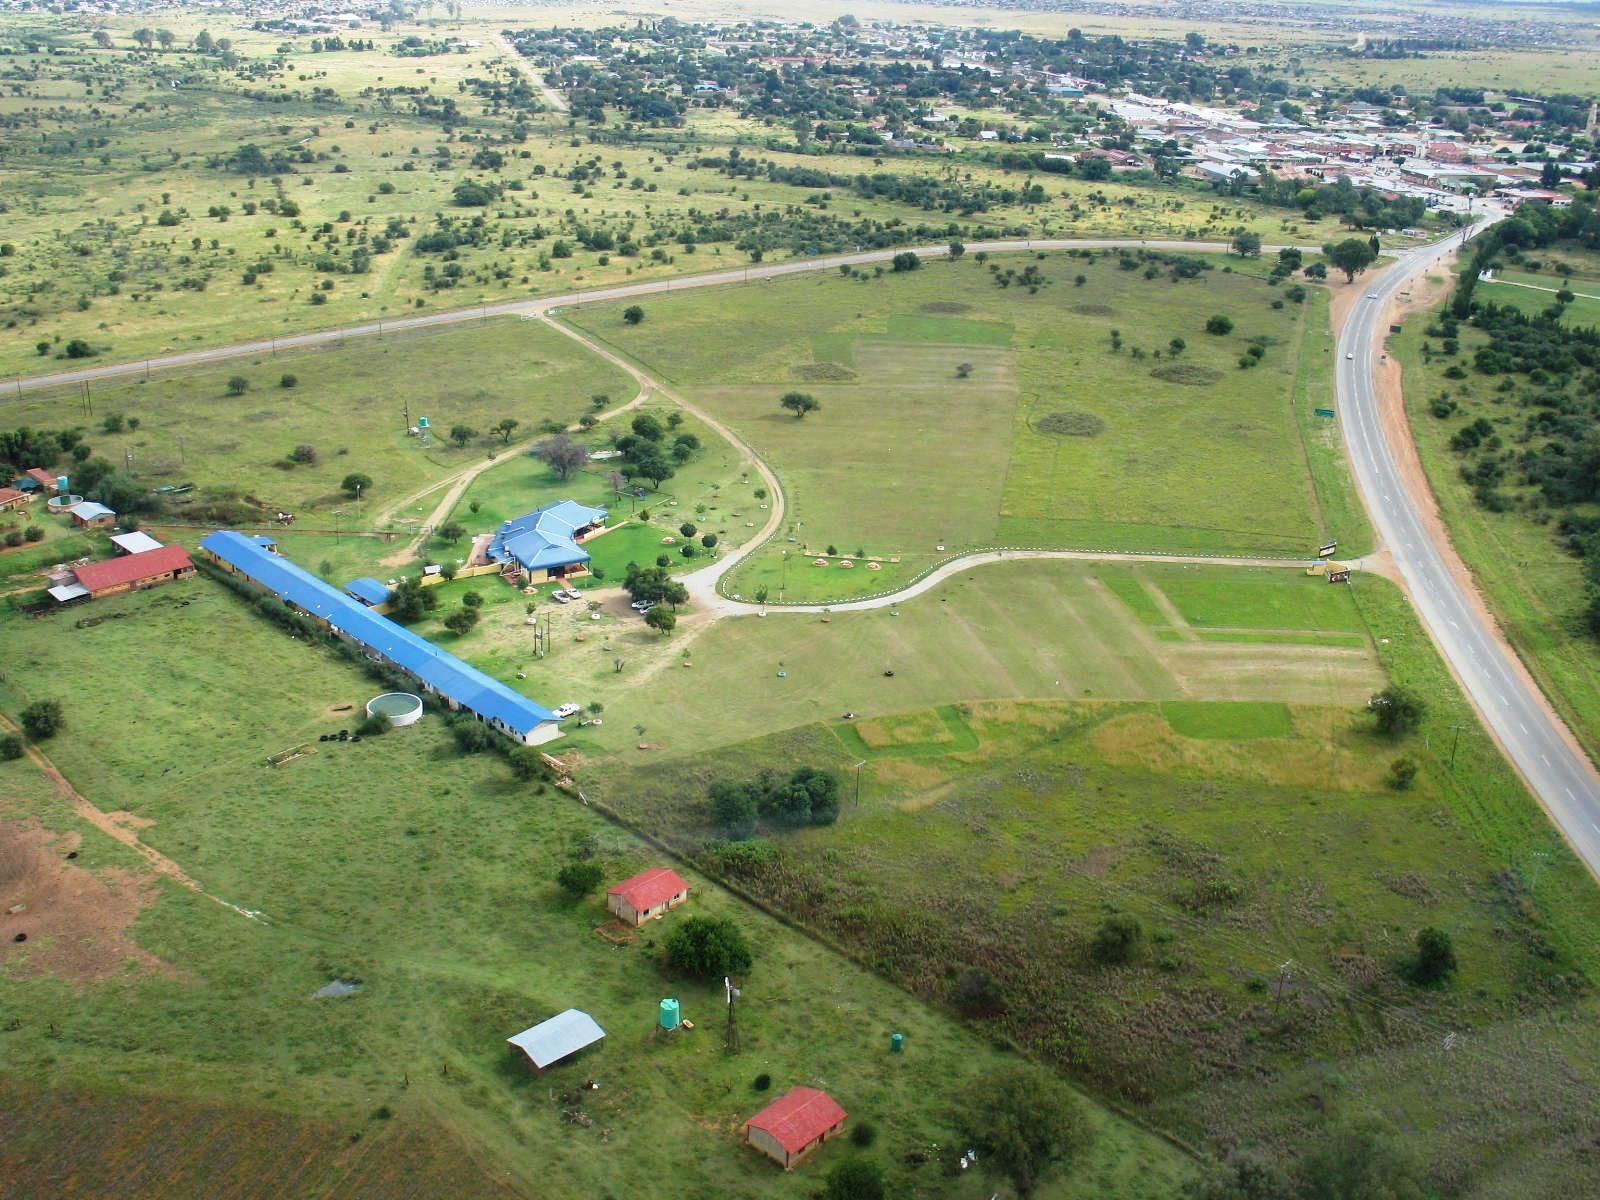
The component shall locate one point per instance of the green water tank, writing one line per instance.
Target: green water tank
(670, 1018)
(897, 1042)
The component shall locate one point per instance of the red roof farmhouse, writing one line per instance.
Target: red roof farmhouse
(126, 573)
(648, 894)
(794, 1125)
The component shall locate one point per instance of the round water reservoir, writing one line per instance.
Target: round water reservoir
(402, 708)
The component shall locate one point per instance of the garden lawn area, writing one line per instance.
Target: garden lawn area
(428, 877)
(349, 404)
(941, 396)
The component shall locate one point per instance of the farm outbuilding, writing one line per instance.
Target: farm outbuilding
(648, 894)
(127, 573)
(794, 1125)
(137, 542)
(11, 497)
(562, 1036)
(90, 515)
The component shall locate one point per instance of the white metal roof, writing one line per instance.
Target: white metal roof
(136, 542)
(68, 591)
(563, 1034)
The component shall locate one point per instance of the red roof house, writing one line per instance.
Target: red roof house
(794, 1125)
(135, 571)
(10, 497)
(648, 894)
(42, 477)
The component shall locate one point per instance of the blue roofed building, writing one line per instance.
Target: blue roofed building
(461, 686)
(371, 592)
(544, 544)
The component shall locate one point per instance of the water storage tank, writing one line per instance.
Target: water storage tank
(669, 1014)
(61, 483)
(896, 1042)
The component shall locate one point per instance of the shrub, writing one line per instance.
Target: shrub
(238, 385)
(1219, 325)
(863, 1134)
(303, 453)
(42, 719)
(707, 947)
(578, 879)
(287, 381)
(78, 348)
(1436, 957)
(10, 747)
(1117, 940)
(470, 735)
(33, 534)
(854, 1179)
(761, 1082)
(1402, 774)
(375, 725)
(1399, 710)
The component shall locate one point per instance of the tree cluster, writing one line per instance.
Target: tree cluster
(807, 796)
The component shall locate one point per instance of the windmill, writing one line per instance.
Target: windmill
(731, 1038)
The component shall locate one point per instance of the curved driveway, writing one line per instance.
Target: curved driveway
(1533, 737)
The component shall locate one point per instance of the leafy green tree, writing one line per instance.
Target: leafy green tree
(452, 531)
(10, 747)
(1402, 774)
(1219, 325)
(1024, 1121)
(1351, 256)
(578, 878)
(462, 434)
(906, 261)
(734, 807)
(800, 403)
(504, 428)
(42, 719)
(472, 600)
(708, 947)
(663, 619)
(355, 483)
(238, 385)
(1242, 1177)
(1360, 1161)
(1436, 957)
(1117, 940)
(1399, 710)
(409, 600)
(1247, 245)
(1177, 346)
(854, 1179)
(144, 37)
(648, 427)
(633, 314)
(462, 621)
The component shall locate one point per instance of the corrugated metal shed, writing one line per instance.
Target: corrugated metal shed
(563, 1034)
(437, 669)
(136, 542)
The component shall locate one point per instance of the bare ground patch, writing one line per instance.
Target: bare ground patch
(1070, 424)
(822, 372)
(75, 920)
(1188, 374)
(946, 306)
(1094, 310)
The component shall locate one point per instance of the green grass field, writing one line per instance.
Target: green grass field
(428, 877)
(926, 445)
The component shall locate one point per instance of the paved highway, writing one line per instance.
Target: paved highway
(1536, 741)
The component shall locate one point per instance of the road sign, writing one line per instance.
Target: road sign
(1326, 550)
(1338, 576)
(1325, 412)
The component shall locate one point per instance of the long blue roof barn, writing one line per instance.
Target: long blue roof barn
(437, 670)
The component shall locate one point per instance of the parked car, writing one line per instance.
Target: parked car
(565, 711)
(559, 597)
(574, 594)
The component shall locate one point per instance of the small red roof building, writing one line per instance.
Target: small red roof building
(10, 496)
(42, 477)
(794, 1125)
(131, 570)
(647, 894)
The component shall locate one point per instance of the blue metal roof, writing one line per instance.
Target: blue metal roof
(439, 669)
(368, 589)
(543, 538)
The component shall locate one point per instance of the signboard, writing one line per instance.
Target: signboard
(1325, 412)
(1338, 576)
(1327, 550)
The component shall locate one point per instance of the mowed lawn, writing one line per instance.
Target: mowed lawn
(428, 877)
(1029, 629)
(941, 394)
(349, 403)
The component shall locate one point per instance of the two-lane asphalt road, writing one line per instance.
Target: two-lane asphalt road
(1557, 770)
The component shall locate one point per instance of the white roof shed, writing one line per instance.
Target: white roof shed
(563, 1034)
(136, 542)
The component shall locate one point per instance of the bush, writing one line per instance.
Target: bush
(1399, 710)
(1402, 774)
(42, 719)
(374, 726)
(1219, 325)
(1117, 940)
(1436, 957)
(78, 348)
(238, 385)
(761, 1082)
(470, 735)
(854, 1179)
(863, 1134)
(303, 453)
(10, 747)
(708, 947)
(977, 995)
(578, 879)
(287, 381)
(33, 534)
(906, 261)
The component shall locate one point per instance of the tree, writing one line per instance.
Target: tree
(1399, 710)
(144, 37)
(1436, 957)
(461, 435)
(854, 1179)
(708, 947)
(305, 452)
(906, 261)
(78, 348)
(957, 249)
(504, 427)
(525, 763)
(462, 621)
(633, 314)
(287, 381)
(102, 39)
(1219, 325)
(167, 38)
(1360, 1161)
(733, 809)
(472, 600)
(42, 719)
(1402, 774)
(799, 403)
(564, 453)
(1024, 1121)
(1177, 346)
(1242, 1177)
(963, 370)
(238, 385)
(1117, 940)
(452, 532)
(1316, 270)
(1247, 245)
(410, 600)
(1549, 174)
(10, 747)
(1350, 256)
(470, 734)
(663, 619)
(355, 483)
(708, 540)
(646, 426)
(578, 879)
(204, 42)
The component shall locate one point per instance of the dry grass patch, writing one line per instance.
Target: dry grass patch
(904, 729)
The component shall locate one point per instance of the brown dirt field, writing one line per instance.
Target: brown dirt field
(78, 1145)
(76, 920)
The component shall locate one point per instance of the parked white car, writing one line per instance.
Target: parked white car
(565, 711)
(559, 597)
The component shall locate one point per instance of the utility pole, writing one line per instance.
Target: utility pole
(859, 765)
(1454, 742)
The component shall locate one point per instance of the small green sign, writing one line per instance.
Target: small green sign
(1325, 412)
